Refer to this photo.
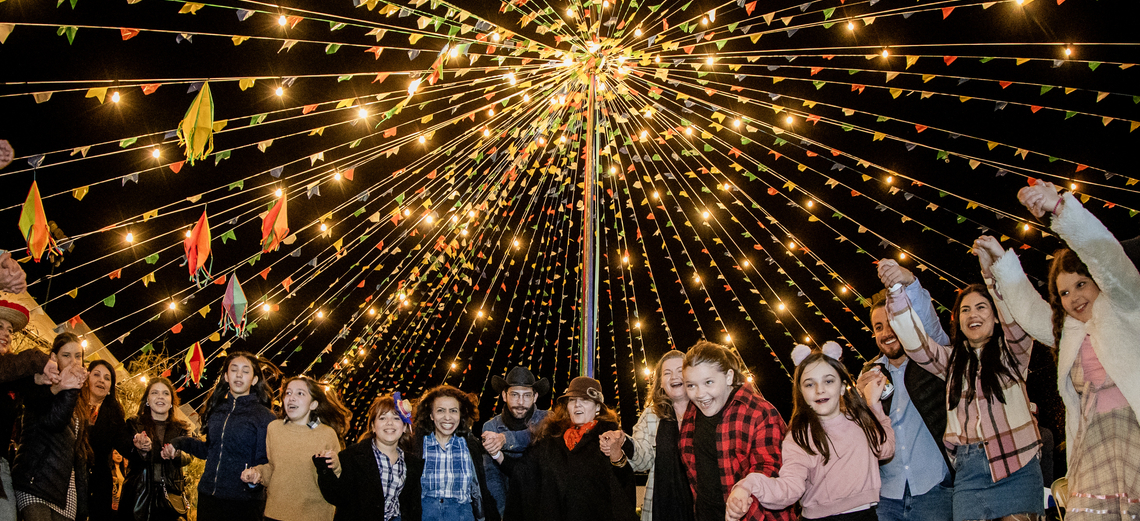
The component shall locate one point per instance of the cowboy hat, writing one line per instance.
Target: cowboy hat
(520, 377)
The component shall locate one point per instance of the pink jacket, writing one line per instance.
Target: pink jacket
(850, 478)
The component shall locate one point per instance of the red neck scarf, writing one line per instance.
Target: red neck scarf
(574, 434)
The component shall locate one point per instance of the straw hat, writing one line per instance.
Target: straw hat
(14, 313)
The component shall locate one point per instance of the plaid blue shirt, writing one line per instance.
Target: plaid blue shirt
(448, 470)
(392, 476)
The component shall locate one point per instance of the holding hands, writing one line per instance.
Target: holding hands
(331, 457)
(871, 385)
(168, 451)
(611, 443)
(988, 250)
(493, 442)
(1040, 198)
(890, 273)
(71, 378)
(739, 501)
(12, 276)
(251, 476)
(143, 443)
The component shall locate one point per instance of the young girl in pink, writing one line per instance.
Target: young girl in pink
(835, 441)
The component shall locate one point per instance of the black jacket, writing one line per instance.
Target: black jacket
(48, 454)
(928, 393)
(672, 495)
(235, 440)
(103, 436)
(358, 494)
(551, 482)
(16, 372)
(484, 508)
(171, 469)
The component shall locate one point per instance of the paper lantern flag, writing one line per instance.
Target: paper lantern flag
(195, 363)
(275, 226)
(196, 130)
(234, 305)
(34, 227)
(197, 247)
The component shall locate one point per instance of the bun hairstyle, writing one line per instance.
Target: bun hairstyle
(806, 429)
(261, 389)
(330, 411)
(705, 352)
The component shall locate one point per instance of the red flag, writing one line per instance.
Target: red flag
(195, 363)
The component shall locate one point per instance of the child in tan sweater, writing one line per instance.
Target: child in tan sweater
(314, 420)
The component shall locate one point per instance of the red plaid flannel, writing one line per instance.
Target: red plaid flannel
(750, 434)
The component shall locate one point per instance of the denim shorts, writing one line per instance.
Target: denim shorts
(976, 496)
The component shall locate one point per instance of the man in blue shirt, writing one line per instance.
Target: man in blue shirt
(917, 481)
(511, 431)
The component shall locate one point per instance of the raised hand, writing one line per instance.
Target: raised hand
(6, 153)
(1040, 198)
(142, 442)
(12, 276)
(739, 501)
(169, 452)
(73, 377)
(873, 390)
(51, 375)
(890, 273)
(988, 250)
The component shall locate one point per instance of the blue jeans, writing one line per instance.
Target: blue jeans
(436, 509)
(935, 505)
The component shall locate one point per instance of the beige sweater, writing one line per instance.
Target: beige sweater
(290, 478)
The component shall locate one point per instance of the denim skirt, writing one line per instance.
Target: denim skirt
(976, 496)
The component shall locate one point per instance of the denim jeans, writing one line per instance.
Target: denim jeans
(436, 509)
(935, 505)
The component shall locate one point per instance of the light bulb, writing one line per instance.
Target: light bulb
(407, 213)
(156, 153)
(336, 176)
(850, 26)
(320, 314)
(130, 237)
(479, 314)
(810, 204)
(902, 256)
(279, 92)
(453, 365)
(495, 37)
(704, 21)
(780, 306)
(371, 311)
(277, 192)
(790, 120)
(486, 133)
(705, 214)
(843, 289)
(644, 133)
(188, 233)
(727, 338)
(511, 78)
(266, 307)
(890, 179)
(807, 339)
(1068, 51)
(791, 245)
(625, 259)
(454, 52)
(1026, 227)
(656, 195)
(516, 243)
(613, 170)
(541, 141)
(647, 371)
(570, 13)
(656, 59)
(83, 344)
(886, 53)
(362, 113)
(1073, 186)
(282, 20)
(736, 122)
(422, 140)
(413, 86)
(709, 60)
(637, 325)
(324, 227)
(429, 219)
(688, 131)
(637, 32)
(173, 305)
(490, 112)
(745, 263)
(471, 213)
(526, 98)
(454, 218)
(463, 232)
(115, 97)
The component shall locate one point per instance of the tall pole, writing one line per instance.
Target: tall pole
(589, 330)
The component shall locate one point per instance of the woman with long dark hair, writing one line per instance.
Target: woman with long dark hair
(106, 425)
(989, 425)
(564, 476)
(50, 470)
(235, 419)
(155, 484)
(453, 486)
(379, 477)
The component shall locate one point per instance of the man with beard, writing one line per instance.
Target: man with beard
(511, 431)
(917, 482)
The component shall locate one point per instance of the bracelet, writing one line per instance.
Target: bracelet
(621, 462)
(496, 454)
(1057, 206)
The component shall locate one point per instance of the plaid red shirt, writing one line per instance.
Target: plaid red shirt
(749, 437)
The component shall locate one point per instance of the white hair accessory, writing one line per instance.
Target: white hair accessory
(833, 349)
(799, 353)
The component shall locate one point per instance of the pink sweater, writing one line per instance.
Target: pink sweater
(849, 479)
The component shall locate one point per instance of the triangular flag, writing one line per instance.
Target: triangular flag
(33, 225)
(275, 225)
(196, 130)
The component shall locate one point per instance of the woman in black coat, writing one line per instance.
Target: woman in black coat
(50, 469)
(155, 472)
(365, 492)
(563, 475)
(103, 432)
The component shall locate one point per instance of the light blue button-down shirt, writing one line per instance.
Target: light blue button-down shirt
(917, 460)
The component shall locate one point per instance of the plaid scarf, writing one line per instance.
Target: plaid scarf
(748, 440)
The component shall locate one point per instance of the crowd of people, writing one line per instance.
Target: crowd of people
(937, 427)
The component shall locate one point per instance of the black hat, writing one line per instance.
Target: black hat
(520, 377)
